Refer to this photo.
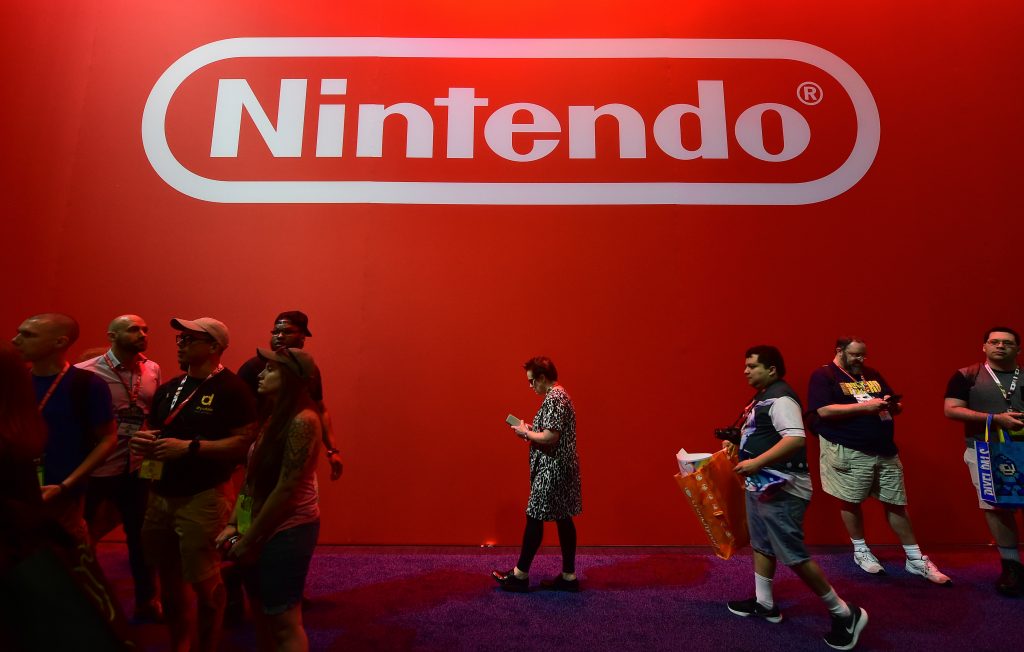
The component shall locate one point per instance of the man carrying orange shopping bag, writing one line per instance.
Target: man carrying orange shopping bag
(774, 466)
(717, 499)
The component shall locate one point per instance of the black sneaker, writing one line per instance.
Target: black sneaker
(1011, 580)
(846, 631)
(752, 607)
(509, 582)
(561, 584)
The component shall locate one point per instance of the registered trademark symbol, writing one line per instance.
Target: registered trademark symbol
(810, 93)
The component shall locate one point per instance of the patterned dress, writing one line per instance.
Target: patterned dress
(554, 469)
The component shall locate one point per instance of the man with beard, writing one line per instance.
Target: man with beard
(291, 328)
(852, 409)
(133, 380)
(203, 423)
(993, 389)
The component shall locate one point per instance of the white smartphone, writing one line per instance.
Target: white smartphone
(512, 421)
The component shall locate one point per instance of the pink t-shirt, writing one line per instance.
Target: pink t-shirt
(304, 503)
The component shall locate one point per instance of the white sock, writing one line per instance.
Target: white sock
(859, 545)
(835, 605)
(1011, 554)
(763, 591)
(913, 552)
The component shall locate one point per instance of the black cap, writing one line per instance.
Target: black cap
(296, 317)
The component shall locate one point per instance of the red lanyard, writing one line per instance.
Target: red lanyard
(53, 387)
(181, 406)
(850, 376)
(135, 379)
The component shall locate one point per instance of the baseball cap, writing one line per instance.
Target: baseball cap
(295, 359)
(296, 317)
(214, 328)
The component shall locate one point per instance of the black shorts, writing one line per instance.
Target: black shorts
(278, 577)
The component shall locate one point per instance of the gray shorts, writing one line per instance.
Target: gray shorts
(777, 527)
(853, 476)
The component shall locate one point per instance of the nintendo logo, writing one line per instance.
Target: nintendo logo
(474, 126)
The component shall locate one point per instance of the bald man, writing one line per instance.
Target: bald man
(133, 380)
(75, 404)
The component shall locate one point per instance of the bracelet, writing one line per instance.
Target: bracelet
(63, 487)
(332, 451)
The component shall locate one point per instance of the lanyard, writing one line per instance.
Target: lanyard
(176, 411)
(1007, 393)
(850, 376)
(745, 414)
(134, 384)
(53, 387)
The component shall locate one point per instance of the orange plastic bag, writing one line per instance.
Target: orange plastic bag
(719, 500)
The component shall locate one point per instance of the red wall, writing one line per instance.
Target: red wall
(422, 314)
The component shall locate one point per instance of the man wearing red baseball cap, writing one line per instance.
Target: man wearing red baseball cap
(202, 423)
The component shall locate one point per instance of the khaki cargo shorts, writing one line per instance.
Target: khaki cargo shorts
(853, 476)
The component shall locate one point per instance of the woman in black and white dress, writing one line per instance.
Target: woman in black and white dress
(555, 493)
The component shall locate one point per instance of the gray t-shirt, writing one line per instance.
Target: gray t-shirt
(975, 386)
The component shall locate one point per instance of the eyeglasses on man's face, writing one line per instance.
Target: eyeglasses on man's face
(1007, 343)
(185, 339)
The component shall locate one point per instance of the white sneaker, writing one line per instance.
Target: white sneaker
(868, 562)
(926, 569)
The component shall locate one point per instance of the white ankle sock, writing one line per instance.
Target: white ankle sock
(763, 591)
(913, 552)
(835, 605)
(859, 545)
(1011, 554)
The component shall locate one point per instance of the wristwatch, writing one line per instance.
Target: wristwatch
(193, 446)
(332, 451)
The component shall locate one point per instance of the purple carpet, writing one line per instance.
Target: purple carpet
(402, 598)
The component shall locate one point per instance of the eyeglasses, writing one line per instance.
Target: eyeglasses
(1007, 343)
(184, 339)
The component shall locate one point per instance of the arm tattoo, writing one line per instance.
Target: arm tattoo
(301, 440)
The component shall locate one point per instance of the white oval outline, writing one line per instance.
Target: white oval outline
(154, 138)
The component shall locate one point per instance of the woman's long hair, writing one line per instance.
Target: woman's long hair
(22, 433)
(265, 465)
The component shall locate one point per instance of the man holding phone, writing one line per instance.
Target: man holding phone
(851, 408)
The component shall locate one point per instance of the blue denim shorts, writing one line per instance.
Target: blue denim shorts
(777, 527)
(278, 577)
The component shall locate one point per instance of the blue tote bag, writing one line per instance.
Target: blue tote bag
(1000, 468)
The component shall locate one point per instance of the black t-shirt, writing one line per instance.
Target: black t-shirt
(867, 433)
(249, 372)
(220, 405)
